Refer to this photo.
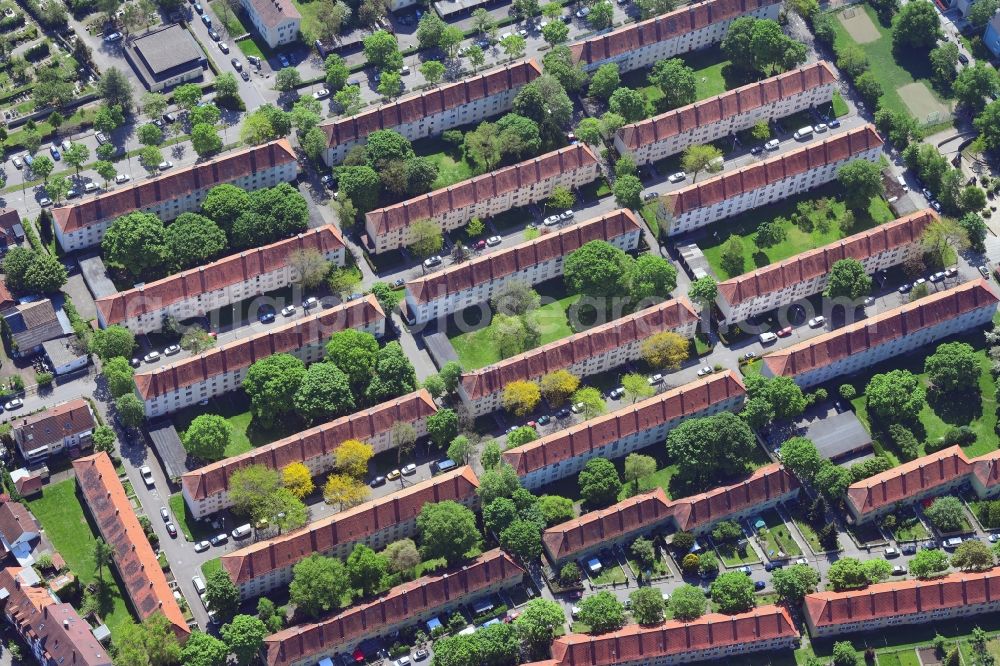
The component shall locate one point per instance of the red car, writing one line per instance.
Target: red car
(481, 245)
(785, 332)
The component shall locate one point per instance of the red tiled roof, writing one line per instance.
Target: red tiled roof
(661, 28)
(487, 186)
(764, 484)
(735, 183)
(54, 424)
(430, 102)
(814, 263)
(902, 597)
(275, 12)
(147, 193)
(138, 568)
(244, 352)
(350, 526)
(394, 607)
(220, 274)
(638, 643)
(495, 265)
(592, 342)
(986, 469)
(320, 440)
(910, 478)
(732, 103)
(15, 520)
(826, 349)
(630, 420)
(29, 485)
(8, 218)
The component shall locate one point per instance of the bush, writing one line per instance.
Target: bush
(43, 378)
(961, 435)
(848, 392)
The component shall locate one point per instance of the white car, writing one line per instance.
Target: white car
(551, 221)
(224, 47)
(869, 301)
(656, 379)
(819, 129)
(919, 281)
(151, 357)
(147, 475)
(122, 178)
(165, 514)
(18, 162)
(171, 350)
(409, 469)
(493, 240)
(288, 311)
(706, 370)
(771, 145)
(310, 303)
(44, 202)
(322, 93)
(16, 403)
(164, 165)
(202, 546)
(431, 262)
(816, 322)
(566, 215)
(677, 177)
(583, 12)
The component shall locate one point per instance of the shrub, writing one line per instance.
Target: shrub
(43, 378)
(848, 392)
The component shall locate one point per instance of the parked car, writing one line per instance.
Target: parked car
(172, 530)
(819, 129)
(656, 379)
(480, 245)
(147, 476)
(266, 317)
(905, 288)
(785, 332)
(164, 165)
(171, 350)
(746, 570)
(398, 283)
(16, 403)
(706, 370)
(834, 124)
(237, 65)
(771, 145)
(551, 221)
(219, 539)
(985, 272)
(817, 321)
(759, 585)
(617, 392)
(288, 311)
(563, 413)
(202, 546)
(224, 47)
(216, 37)
(322, 93)
(165, 514)
(748, 356)
(151, 357)
(45, 202)
(113, 37)
(207, 20)
(56, 155)
(409, 469)
(937, 277)
(283, 59)
(566, 215)
(891, 552)
(909, 549)
(245, 75)
(431, 262)
(582, 13)
(18, 162)
(544, 419)
(122, 178)
(964, 59)
(869, 301)
(950, 272)
(677, 177)
(420, 654)
(757, 150)
(393, 475)
(493, 241)
(377, 481)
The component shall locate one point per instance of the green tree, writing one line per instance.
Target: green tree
(221, 594)
(703, 291)
(647, 605)
(917, 26)
(687, 603)
(193, 240)
(677, 82)
(447, 530)
(981, 11)
(605, 80)
(733, 592)
(205, 140)
(432, 70)
(696, 159)
(207, 437)
(844, 654)
(954, 368)
(348, 99)
(152, 643)
(245, 637)
(637, 387)
(894, 396)
(848, 279)
(355, 353)
(975, 229)
(545, 101)
(318, 584)
(365, 568)
(861, 181)
(928, 563)
(709, 447)
(325, 393)
(628, 103)
(108, 119)
(394, 374)
(538, 622)
(800, 456)
(382, 51)
(104, 439)
(650, 278)
(130, 410)
(628, 191)
(946, 514)
(150, 135)
(76, 156)
(522, 538)
(204, 649)
(599, 482)
(794, 582)
(271, 384)
(596, 269)
(555, 33)
(637, 466)
(42, 167)
(115, 88)
(112, 341)
(602, 612)
(555, 509)
(360, 184)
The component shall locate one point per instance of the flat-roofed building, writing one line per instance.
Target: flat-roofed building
(765, 182)
(188, 381)
(432, 111)
(806, 274)
(266, 565)
(565, 452)
(165, 57)
(686, 29)
(483, 196)
(277, 21)
(895, 332)
(206, 489)
(588, 353)
(402, 606)
(197, 291)
(726, 114)
(902, 602)
(460, 286)
(181, 190)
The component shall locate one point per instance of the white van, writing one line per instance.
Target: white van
(199, 585)
(803, 133)
(242, 531)
(902, 183)
(767, 338)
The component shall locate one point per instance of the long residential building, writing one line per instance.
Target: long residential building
(82, 225)
(434, 110)
(197, 291)
(806, 274)
(588, 353)
(686, 29)
(138, 568)
(221, 369)
(712, 637)
(482, 196)
(902, 602)
(266, 565)
(765, 182)
(445, 292)
(616, 434)
(723, 115)
(938, 473)
(206, 489)
(870, 341)
(654, 512)
(413, 603)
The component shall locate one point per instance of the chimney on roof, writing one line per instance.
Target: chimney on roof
(66, 623)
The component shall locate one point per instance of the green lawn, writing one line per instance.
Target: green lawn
(249, 48)
(659, 567)
(608, 575)
(229, 19)
(938, 415)
(776, 537)
(245, 434)
(648, 212)
(62, 517)
(735, 557)
(211, 566)
(660, 478)
(450, 161)
(190, 527)
(825, 229)
(840, 107)
(714, 75)
(809, 534)
(909, 528)
(900, 658)
(889, 72)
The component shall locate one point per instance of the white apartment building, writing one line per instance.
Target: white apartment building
(267, 565)
(588, 353)
(701, 204)
(683, 30)
(277, 21)
(859, 346)
(805, 274)
(616, 434)
(445, 292)
(197, 291)
(483, 196)
(206, 489)
(434, 110)
(726, 114)
(188, 381)
(81, 225)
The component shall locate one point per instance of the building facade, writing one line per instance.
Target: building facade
(463, 285)
(266, 565)
(806, 274)
(169, 388)
(197, 291)
(277, 21)
(683, 30)
(765, 182)
(726, 114)
(31, 325)
(433, 111)
(83, 224)
(483, 196)
(67, 425)
(616, 434)
(588, 353)
(206, 489)
(870, 341)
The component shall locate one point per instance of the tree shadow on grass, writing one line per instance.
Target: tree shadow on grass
(956, 409)
(915, 62)
(735, 76)
(760, 259)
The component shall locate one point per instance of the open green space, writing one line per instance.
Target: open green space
(250, 48)
(229, 19)
(211, 566)
(659, 567)
(737, 556)
(246, 434)
(776, 538)
(823, 224)
(892, 73)
(609, 575)
(840, 107)
(61, 515)
(648, 212)
(658, 479)
(901, 658)
(909, 527)
(450, 161)
(190, 527)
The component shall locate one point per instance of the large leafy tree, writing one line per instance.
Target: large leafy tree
(250, 487)
(354, 352)
(928, 563)
(861, 181)
(975, 85)
(895, 396)
(760, 45)
(193, 240)
(733, 592)
(324, 393)
(917, 26)
(112, 341)
(442, 427)
(602, 612)
(245, 638)
(599, 482)
(954, 367)
(271, 384)
(711, 447)
(687, 603)
(946, 514)
(558, 63)
(794, 582)
(596, 269)
(204, 649)
(665, 350)
(136, 242)
(394, 374)
(360, 184)
(319, 583)
(545, 101)
(221, 593)
(604, 81)
(207, 437)
(647, 605)
(677, 82)
(224, 204)
(801, 458)
(651, 278)
(447, 530)
(151, 643)
(538, 622)
(848, 279)
(365, 568)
